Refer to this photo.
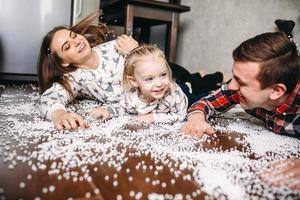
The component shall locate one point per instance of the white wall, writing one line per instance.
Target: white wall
(87, 7)
(213, 28)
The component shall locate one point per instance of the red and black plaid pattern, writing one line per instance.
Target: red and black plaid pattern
(284, 120)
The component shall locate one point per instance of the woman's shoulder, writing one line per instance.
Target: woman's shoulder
(107, 46)
(109, 52)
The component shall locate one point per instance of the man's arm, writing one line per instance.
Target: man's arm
(196, 125)
(198, 114)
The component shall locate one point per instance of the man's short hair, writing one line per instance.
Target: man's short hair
(277, 55)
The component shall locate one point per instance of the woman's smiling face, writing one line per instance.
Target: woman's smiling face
(71, 47)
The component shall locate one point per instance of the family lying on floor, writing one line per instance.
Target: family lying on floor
(128, 78)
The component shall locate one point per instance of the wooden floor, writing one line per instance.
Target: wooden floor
(131, 162)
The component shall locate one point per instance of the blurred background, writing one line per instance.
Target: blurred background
(206, 33)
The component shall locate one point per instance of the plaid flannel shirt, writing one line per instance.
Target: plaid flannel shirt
(284, 120)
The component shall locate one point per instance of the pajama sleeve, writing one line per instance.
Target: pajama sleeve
(173, 108)
(54, 98)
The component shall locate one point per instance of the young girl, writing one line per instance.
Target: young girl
(149, 91)
(73, 64)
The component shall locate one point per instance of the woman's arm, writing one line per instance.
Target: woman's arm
(65, 120)
(53, 102)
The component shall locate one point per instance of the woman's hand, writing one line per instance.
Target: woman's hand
(284, 173)
(125, 44)
(70, 121)
(148, 118)
(100, 113)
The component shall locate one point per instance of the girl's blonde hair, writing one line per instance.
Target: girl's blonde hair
(141, 53)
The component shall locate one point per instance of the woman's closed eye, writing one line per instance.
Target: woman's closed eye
(66, 46)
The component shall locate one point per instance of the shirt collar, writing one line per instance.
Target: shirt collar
(290, 102)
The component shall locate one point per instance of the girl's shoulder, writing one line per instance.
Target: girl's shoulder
(174, 92)
(175, 88)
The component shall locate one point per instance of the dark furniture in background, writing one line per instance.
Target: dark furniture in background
(137, 17)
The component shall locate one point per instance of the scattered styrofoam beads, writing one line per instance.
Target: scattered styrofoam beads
(45, 190)
(115, 176)
(138, 195)
(88, 195)
(119, 197)
(51, 188)
(96, 191)
(131, 193)
(22, 185)
(115, 183)
(155, 141)
(29, 176)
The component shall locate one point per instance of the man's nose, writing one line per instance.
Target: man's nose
(233, 85)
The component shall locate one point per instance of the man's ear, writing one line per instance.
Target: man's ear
(65, 64)
(132, 81)
(278, 90)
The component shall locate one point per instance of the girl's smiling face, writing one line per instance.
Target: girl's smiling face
(152, 77)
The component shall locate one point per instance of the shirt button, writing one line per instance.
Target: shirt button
(284, 113)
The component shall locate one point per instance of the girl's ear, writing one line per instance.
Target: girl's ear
(132, 81)
(278, 90)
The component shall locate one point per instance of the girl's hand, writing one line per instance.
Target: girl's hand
(69, 121)
(148, 118)
(125, 44)
(100, 113)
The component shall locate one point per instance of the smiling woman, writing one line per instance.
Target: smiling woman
(73, 64)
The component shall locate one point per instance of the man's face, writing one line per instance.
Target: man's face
(248, 87)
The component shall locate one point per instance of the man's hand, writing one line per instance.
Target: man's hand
(70, 121)
(196, 125)
(100, 113)
(284, 173)
(125, 44)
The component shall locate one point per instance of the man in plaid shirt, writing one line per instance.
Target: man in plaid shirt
(266, 84)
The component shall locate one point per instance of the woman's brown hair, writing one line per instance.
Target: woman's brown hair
(49, 65)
